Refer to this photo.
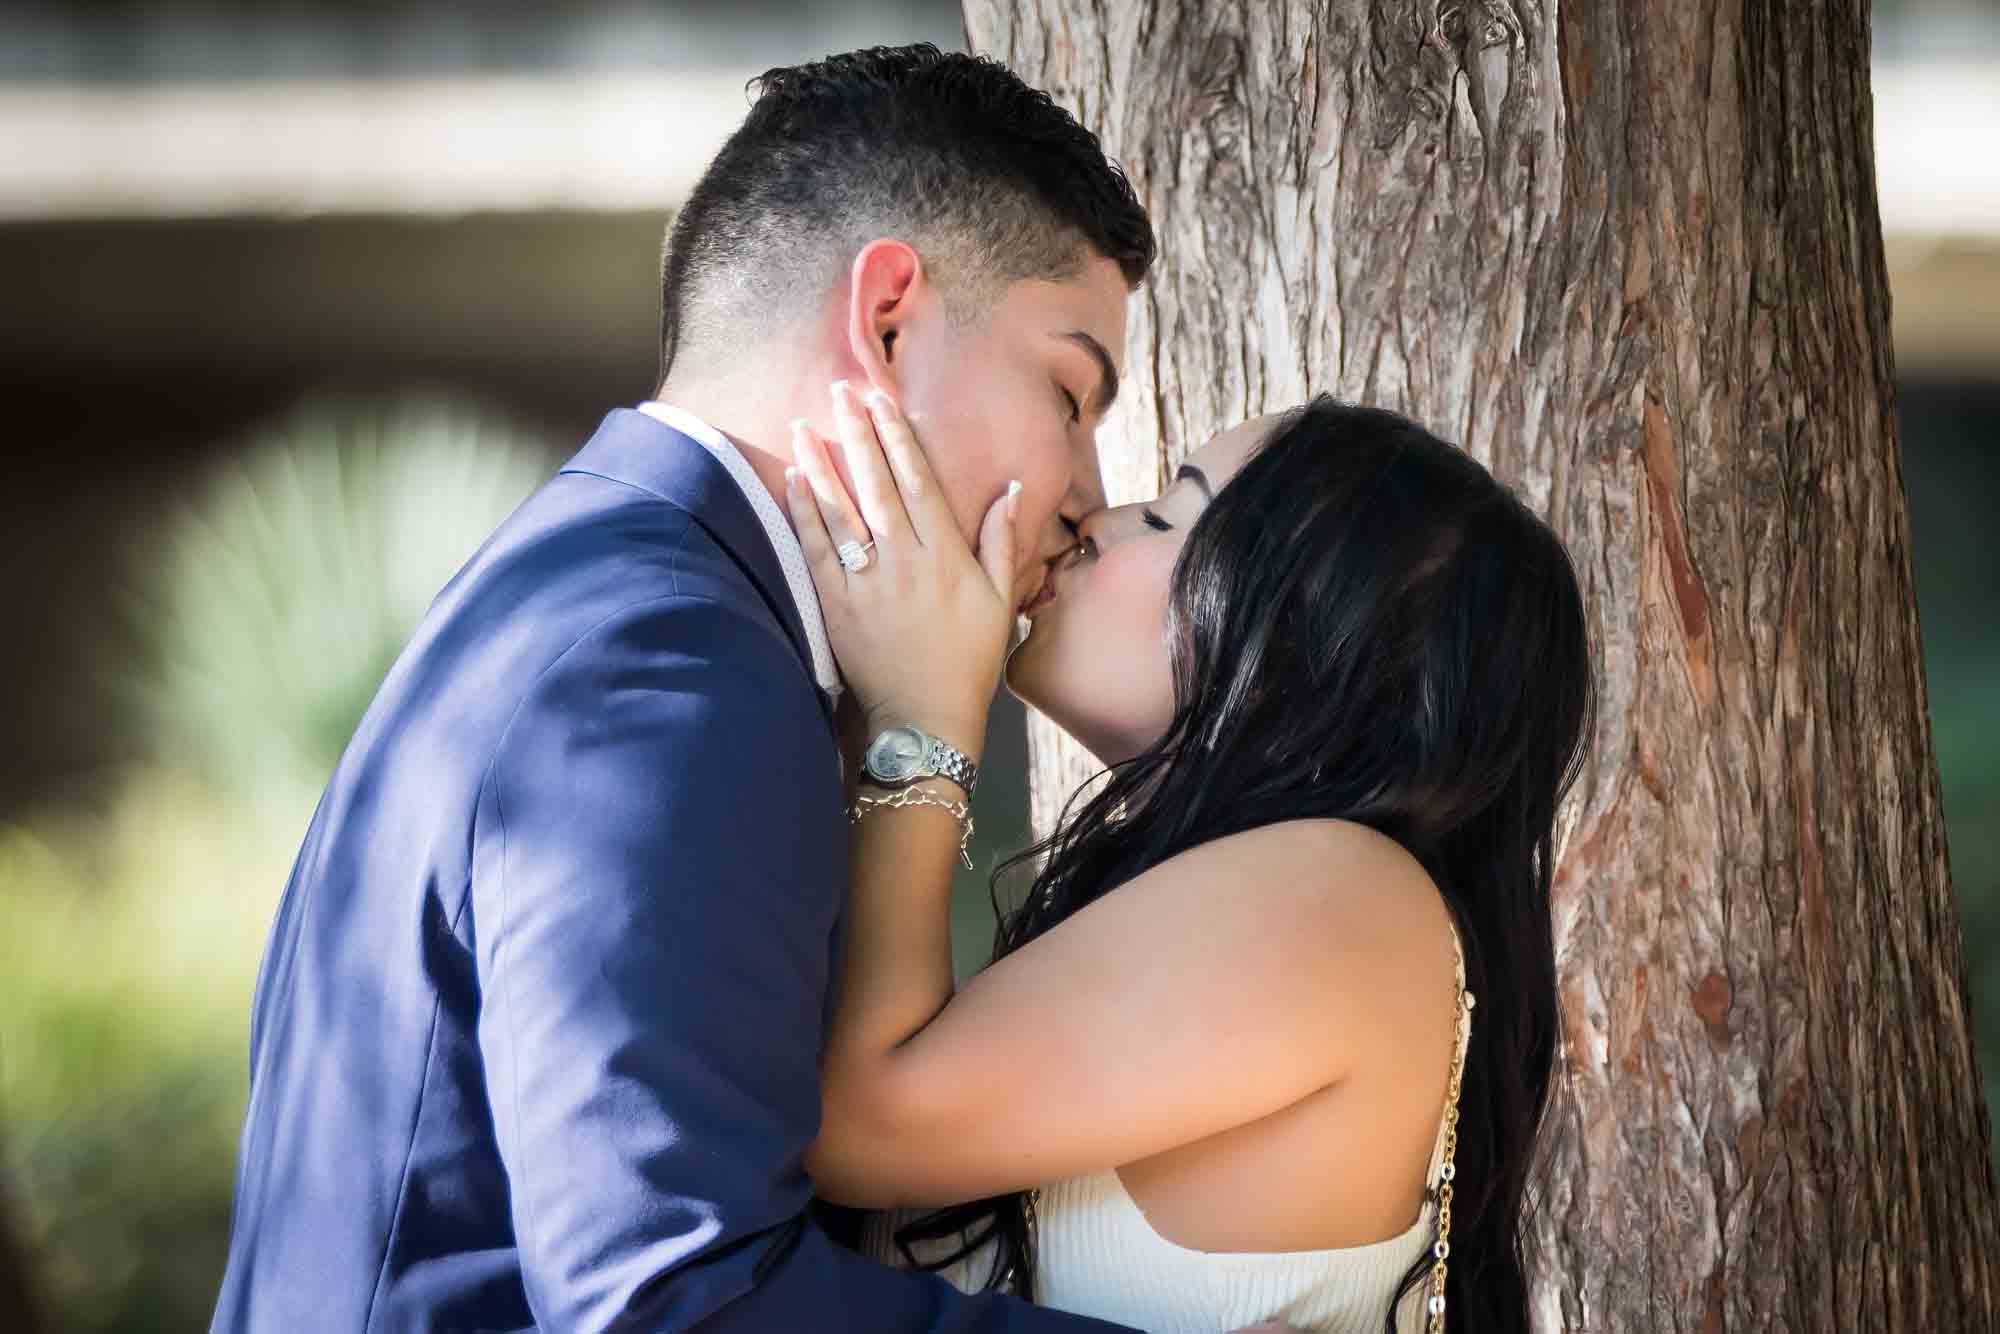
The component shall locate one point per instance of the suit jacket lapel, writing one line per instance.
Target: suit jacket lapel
(639, 450)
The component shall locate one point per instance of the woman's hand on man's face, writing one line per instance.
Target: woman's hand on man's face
(918, 622)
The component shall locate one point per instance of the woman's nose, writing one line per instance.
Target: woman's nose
(1105, 527)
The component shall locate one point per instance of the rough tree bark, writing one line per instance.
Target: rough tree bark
(1628, 253)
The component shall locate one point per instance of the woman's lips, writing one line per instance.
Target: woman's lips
(1043, 595)
(1051, 582)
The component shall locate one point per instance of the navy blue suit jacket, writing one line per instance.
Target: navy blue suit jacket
(536, 1035)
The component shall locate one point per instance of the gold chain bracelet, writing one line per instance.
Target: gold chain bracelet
(917, 796)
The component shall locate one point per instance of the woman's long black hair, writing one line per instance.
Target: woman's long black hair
(1364, 625)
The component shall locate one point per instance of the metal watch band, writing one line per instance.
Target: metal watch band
(950, 762)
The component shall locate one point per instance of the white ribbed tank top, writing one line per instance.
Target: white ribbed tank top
(1096, 1255)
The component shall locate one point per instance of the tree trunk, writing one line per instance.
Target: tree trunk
(1628, 253)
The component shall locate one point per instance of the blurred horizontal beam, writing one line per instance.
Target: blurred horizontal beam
(544, 293)
(611, 142)
(1937, 166)
(1944, 293)
(625, 140)
(572, 296)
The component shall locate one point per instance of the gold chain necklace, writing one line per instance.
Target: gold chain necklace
(1447, 1172)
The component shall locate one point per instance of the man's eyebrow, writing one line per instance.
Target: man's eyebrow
(1199, 478)
(1107, 387)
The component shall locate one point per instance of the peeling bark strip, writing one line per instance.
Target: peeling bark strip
(1628, 253)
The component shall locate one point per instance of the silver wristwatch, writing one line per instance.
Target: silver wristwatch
(900, 756)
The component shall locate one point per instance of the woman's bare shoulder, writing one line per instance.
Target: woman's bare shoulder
(1343, 861)
(1361, 895)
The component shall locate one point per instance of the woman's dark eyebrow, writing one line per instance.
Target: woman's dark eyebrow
(1199, 478)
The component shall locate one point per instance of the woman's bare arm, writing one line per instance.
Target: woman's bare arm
(1213, 990)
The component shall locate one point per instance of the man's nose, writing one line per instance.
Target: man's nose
(1087, 496)
(1086, 492)
(1059, 537)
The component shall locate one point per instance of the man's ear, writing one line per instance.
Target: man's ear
(884, 288)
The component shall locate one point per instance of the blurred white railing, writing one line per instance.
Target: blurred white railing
(636, 140)
(513, 143)
(1937, 147)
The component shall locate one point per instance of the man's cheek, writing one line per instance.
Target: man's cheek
(1050, 528)
(1044, 484)
(952, 444)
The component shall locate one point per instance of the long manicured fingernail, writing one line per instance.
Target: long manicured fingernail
(792, 476)
(1013, 500)
(840, 389)
(1013, 489)
(878, 402)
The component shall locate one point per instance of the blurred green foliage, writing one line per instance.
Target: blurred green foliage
(1953, 487)
(282, 592)
(259, 623)
(133, 936)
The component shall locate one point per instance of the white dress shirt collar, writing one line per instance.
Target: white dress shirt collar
(791, 556)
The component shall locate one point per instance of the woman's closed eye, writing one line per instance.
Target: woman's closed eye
(1155, 522)
(1075, 408)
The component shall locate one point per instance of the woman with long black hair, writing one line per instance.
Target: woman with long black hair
(1226, 1065)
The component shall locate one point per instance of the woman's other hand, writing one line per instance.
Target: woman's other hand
(920, 626)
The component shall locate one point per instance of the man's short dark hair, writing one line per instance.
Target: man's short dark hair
(988, 179)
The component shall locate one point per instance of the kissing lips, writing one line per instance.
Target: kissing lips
(1044, 593)
(1051, 581)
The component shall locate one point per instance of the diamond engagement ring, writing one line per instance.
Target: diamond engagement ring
(854, 555)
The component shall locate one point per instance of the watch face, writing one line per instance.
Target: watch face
(896, 755)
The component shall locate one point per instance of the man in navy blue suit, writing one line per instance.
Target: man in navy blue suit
(536, 1035)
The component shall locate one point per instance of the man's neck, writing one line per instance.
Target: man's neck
(757, 418)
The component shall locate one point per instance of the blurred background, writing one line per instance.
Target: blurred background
(296, 300)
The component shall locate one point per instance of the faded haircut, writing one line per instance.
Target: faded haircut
(986, 178)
